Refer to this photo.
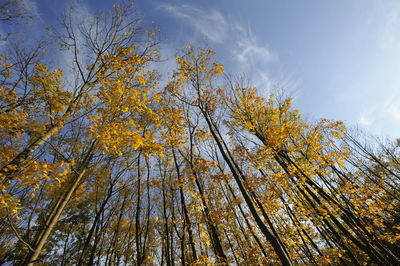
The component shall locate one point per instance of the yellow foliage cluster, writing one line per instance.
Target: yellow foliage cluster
(125, 99)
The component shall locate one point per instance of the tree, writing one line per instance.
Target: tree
(99, 165)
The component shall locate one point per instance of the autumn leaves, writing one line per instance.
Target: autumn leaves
(117, 170)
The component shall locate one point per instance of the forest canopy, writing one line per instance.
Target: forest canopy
(102, 162)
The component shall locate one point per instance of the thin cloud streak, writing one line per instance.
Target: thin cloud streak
(248, 56)
(211, 24)
(248, 50)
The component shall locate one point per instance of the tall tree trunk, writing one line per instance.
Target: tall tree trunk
(279, 249)
(60, 206)
(39, 243)
(185, 211)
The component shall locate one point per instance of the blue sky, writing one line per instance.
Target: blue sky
(338, 59)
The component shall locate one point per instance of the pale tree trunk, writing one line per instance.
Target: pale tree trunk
(58, 209)
(41, 240)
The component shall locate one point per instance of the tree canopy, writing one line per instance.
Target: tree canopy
(102, 165)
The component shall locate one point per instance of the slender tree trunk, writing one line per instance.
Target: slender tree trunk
(279, 249)
(138, 234)
(185, 211)
(56, 214)
(256, 238)
(39, 243)
(92, 229)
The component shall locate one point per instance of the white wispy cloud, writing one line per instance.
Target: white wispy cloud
(248, 50)
(364, 120)
(211, 24)
(216, 27)
(392, 108)
(255, 59)
(243, 51)
(382, 118)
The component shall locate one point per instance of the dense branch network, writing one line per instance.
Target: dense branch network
(108, 168)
